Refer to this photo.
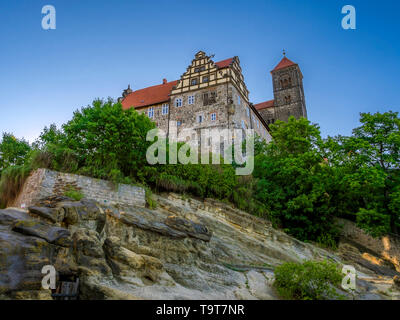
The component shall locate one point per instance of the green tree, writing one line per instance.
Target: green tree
(13, 151)
(102, 141)
(292, 176)
(374, 156)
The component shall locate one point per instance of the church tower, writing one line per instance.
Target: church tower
(289, 98)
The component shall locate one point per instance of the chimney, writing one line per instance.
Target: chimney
(164, 81)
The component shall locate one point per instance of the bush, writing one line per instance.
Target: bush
(373, 222)
(150, 201)
(74, 194)
(11, 182)
(311, 280)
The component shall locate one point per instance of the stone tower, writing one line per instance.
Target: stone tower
(287, 81)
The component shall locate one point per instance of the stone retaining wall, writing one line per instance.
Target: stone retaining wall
(43, 183)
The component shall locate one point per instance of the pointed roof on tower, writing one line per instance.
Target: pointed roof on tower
(285, 62)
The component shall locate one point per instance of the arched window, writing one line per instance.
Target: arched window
(286, 83)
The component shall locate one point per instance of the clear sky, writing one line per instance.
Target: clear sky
(99, 47)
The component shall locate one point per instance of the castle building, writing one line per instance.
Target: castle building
(214, 95)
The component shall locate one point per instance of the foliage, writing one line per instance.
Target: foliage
(11, 182)
(13, 151)
(300, 181)
(367, 176)
(74, 194)
(311, 280)
(373, 222)
(150, 201)
(292, 178)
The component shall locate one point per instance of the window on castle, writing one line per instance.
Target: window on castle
(209, 98)
(248, 111)
(286, 83)
(213, 116)
(200, 118)
(238, 100)
(205, 79)
(288, 99)
(194, 81)
(164, 108)
(178, 102)
(150, 113)
(190, 99)
(258, 124)
(243, 125)
(178, 123)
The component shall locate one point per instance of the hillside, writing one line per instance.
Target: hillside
(184, 249)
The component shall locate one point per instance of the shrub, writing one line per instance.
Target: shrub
(74, 194)
(311, 280)
(373, 222)
(150, 201)
(11, 182)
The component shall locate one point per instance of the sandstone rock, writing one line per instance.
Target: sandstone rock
(32, 295)
(51, 214)
(396, 281)
(10, 216)
(154, 226)
(194, 230)
(22, 258)
(124, 261)
(126, 252)
(88, 252)
(55, 235)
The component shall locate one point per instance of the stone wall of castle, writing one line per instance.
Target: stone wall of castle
(43, 183)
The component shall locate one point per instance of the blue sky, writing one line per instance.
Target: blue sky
(101, 46)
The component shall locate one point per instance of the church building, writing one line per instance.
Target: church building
(214, 95)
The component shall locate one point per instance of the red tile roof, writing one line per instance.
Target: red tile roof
(159, 93)
(224, 63)
(285, 62)
(264, 105)
(148, 96)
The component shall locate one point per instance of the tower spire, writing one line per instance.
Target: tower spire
(284, 52)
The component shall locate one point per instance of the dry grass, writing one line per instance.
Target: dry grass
(11, 182)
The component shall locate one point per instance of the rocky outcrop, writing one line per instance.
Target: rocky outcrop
(185, 249)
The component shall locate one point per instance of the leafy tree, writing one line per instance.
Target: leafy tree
(13, 151)
(102, 141)
(292, 176)
(372, 171)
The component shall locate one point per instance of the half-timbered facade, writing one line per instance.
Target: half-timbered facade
(210, 95)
